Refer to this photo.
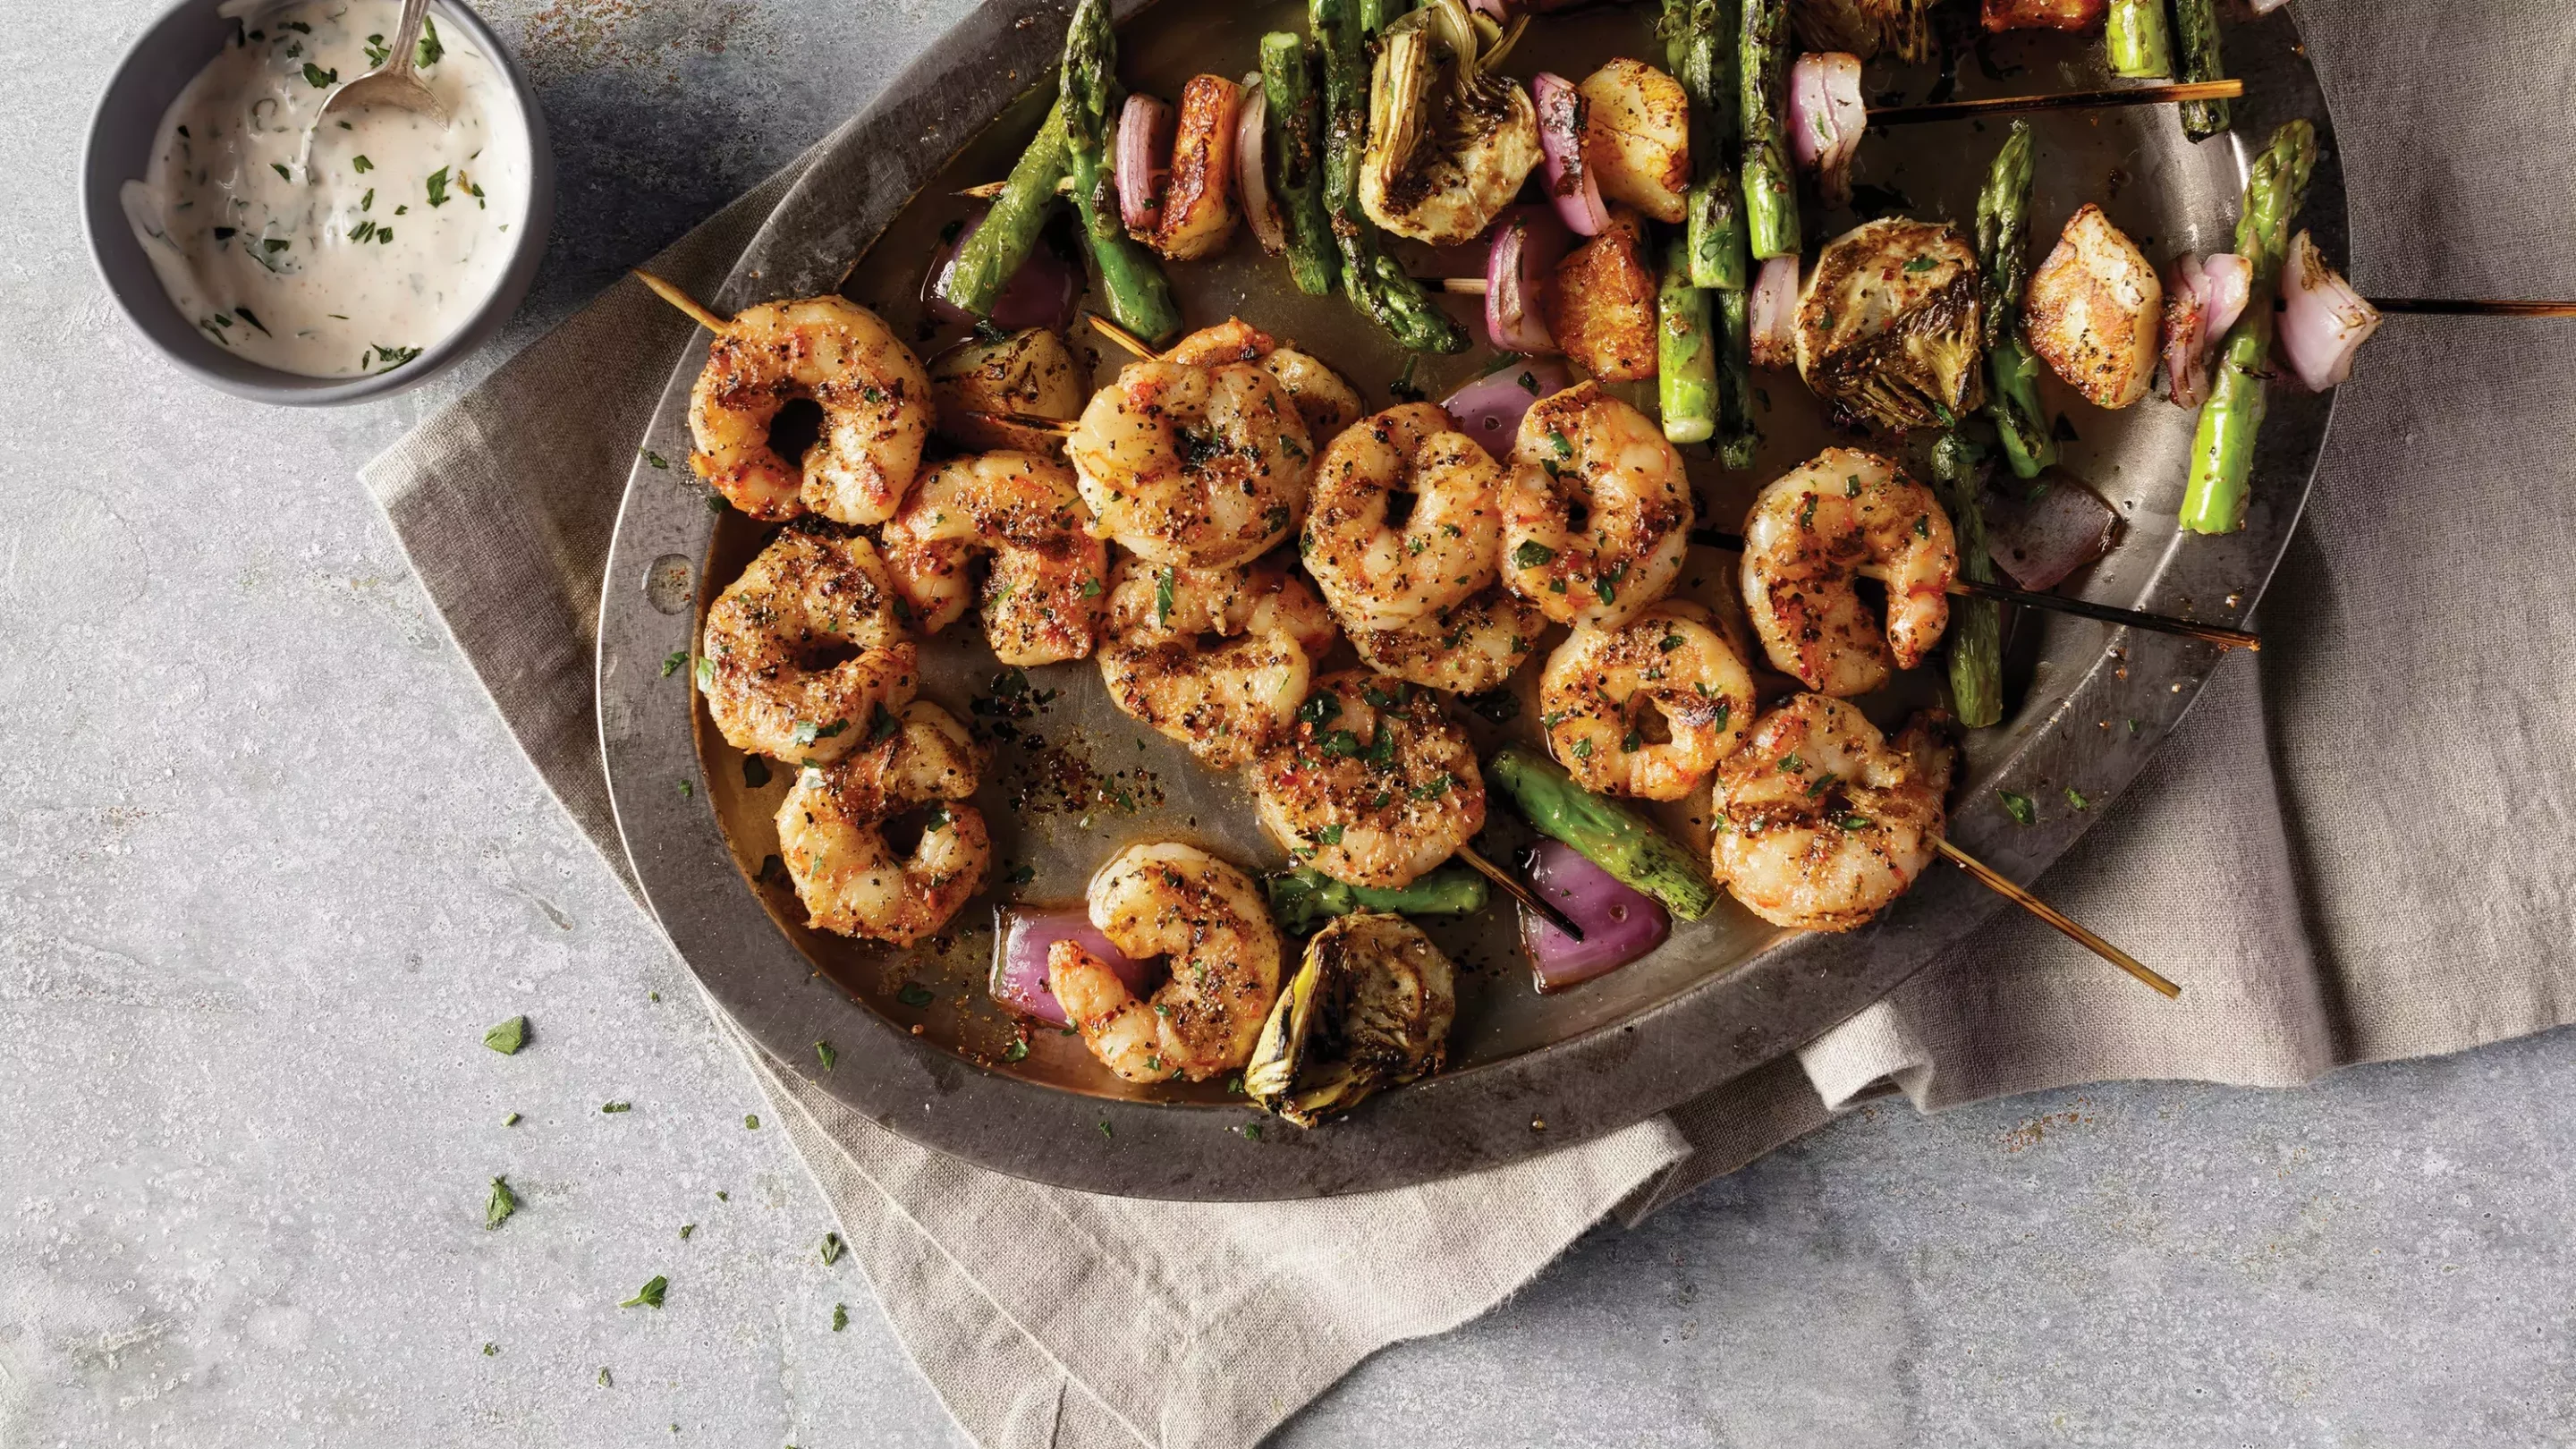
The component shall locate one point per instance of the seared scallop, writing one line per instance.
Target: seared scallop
(2093, 309)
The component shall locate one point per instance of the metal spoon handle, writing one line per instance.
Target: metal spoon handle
(407, 38)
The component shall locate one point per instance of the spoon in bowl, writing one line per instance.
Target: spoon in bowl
(395, 83)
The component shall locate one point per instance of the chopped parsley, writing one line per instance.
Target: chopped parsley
(318, 77)
(1920, 265)
(2076, 800)
(1017, 1051)
(616, 1107)
(650, 1295)
(840, 1316)
(1329, 835)
(1164, 583)
(498, 1207)
(672, 661)
(1854, 822)
(508, 1037)
(438, 187)
(2018, 806)
(832, 1249)
(362, 166)
(913, 994)
(656, 459)
(1320, 708)
(429, 50)
(751, 1121)
(1533, 554)
(824, 1053)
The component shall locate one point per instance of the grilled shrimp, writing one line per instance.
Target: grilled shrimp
(1380, 574)
(1209, 919)
(1472, 646)
(831, 830)
(1324, 400)
(1820, 822)
(1375, 786)
(1809, 533)
(1597, 513)
(837, 354)
(1223, 700)
(1201, 467)
(1043, 597)
(803, 650)
(1646, 708)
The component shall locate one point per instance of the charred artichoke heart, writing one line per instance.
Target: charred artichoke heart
(1369, 1008)
(1449, 143)
(1889, 323)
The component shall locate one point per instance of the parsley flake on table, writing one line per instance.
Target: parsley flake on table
(650, 1295)
(674, 662)
(2018, 806)
(751, 1120)
(508, 1037)
(840, 1316)
(498, 1207)
(686, 1229)
(510, 1121)
(616, 1106)
(2077, 800)
(833, 1247)
(823, 1052)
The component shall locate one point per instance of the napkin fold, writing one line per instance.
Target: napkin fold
(2358, 846)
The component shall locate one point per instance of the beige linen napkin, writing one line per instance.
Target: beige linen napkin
(2357, 850)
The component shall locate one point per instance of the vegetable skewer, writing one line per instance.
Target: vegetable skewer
(986, 261)
(1137, 293)
(1996, 881)
(1296, 141)
(1770, 185)
(1699, 43)
(1381, 288)
(2012, 373)
(2222, 454)
(1974, 642)
(2201, 58)
(1687, 380)
(2138, 40)
(1607, 835)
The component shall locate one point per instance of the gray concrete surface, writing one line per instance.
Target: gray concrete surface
(269, 866)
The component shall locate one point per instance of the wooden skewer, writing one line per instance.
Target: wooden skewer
(991, 189)
(1519, 890)
(1057, 426)
(1121, 336)
(2217, 90)
(2472, 307)
(685, 302)
(1994, 880)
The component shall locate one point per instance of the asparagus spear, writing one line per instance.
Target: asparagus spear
(1735, 435)
(2222, 450)
(1303, 899)
(1378, 283)
(1770, 186)
(2139, 42)
(987, 259)
(2012, 373)
(1699, 41)
(1295, 134)
(2196, 39)
(1685, 352)
(1140, 300)
(1975, 638)
(1606, 834)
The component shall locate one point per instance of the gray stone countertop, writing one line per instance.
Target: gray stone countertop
(269, 865)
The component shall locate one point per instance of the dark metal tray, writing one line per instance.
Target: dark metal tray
(1717, 999)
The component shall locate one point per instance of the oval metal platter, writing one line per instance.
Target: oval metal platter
(917, 1045)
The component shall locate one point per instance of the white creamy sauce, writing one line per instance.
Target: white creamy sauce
(402, 230)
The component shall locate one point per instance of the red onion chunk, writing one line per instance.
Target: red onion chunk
(1528, 243)
(1570, 183)
(1775, 315)
(2226, 282)
(2041, 531)
(2185, 322)
(2324, 320)
(1489, 409)
(1044, 292)
(1619, 925)
(1144, 160)
(1826, 119)
(1020, 959)
(1252, 168)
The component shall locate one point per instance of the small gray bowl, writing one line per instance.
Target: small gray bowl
(155, 69)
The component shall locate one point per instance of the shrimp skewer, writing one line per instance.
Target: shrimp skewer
(829, 351)
(1808, 531)
(1179, 902)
